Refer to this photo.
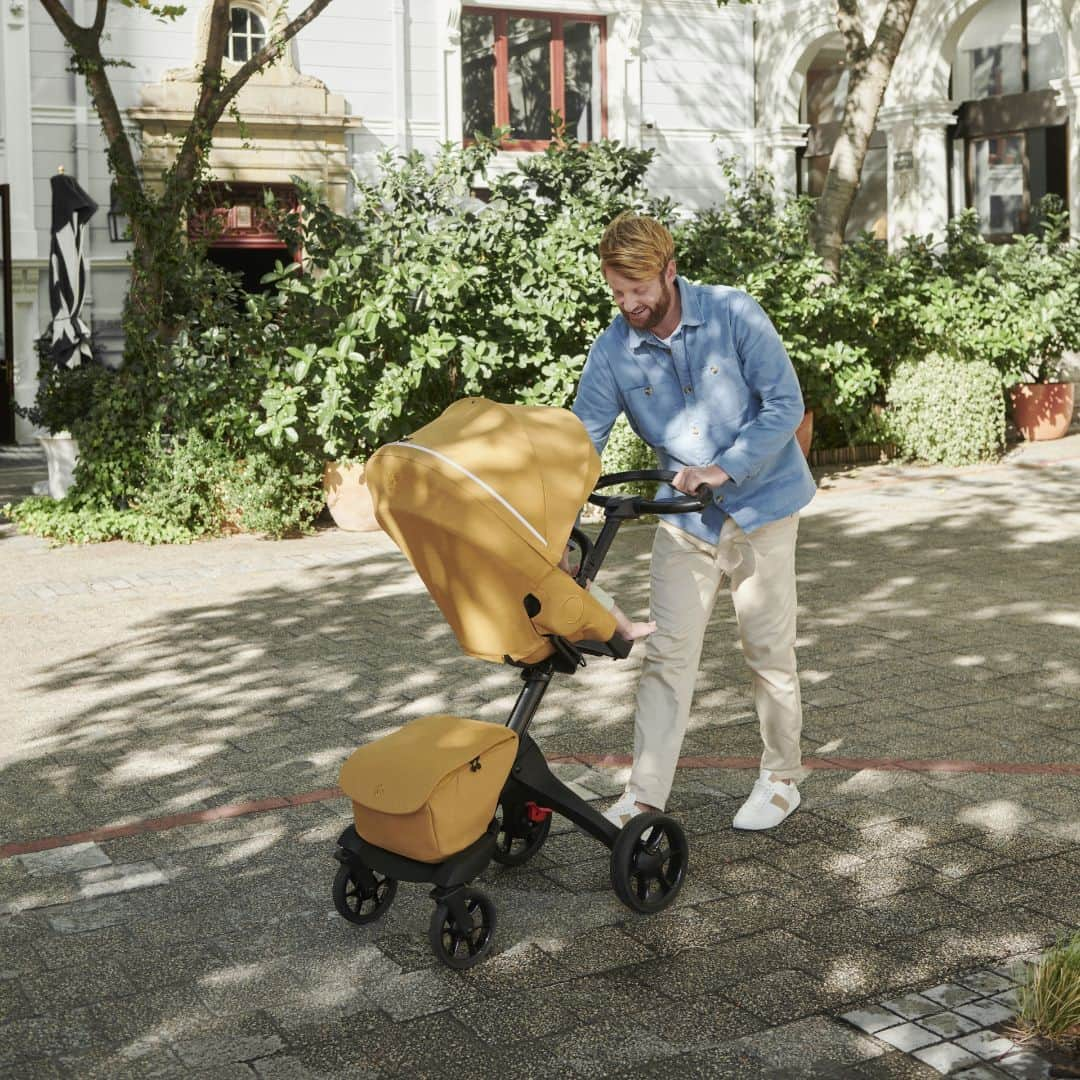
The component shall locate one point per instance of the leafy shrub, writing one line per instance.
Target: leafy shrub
(424, 293)
(946, 411)
(625, 452)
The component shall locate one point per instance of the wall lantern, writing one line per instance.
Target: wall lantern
(116, 217)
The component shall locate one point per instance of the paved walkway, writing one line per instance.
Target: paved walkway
(175, 719)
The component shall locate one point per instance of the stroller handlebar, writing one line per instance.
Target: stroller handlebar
(684, 504)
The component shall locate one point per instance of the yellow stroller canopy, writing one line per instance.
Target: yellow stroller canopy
(482, 501)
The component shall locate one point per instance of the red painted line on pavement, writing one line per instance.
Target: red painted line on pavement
(286, 802)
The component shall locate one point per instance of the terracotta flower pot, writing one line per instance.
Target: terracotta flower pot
(348, 498)
(804, 433)
(1042, 410)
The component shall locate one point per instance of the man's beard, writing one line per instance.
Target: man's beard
(656, 314)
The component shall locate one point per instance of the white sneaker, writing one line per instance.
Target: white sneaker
(623, 809)
(771, 802)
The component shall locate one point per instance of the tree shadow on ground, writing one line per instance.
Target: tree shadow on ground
(935, 623)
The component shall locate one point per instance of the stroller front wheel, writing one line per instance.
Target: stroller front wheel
(362, 895)
(461, 929)
(648, 862)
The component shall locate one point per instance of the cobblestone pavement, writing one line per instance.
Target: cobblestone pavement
(174, 718)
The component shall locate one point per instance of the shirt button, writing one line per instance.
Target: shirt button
(713, 370)
(688, 389)
(694, 431)
(648, 391)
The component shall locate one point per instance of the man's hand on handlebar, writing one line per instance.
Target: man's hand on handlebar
(690, 478)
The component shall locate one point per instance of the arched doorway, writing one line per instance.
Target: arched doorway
(822, 109)
(1009, 147)
(242, 237)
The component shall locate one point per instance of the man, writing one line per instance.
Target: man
(704, 379)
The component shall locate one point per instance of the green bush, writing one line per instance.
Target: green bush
(947, 411)
(424, 294)
(625, 452)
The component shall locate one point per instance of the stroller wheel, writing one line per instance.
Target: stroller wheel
(521, 834)
(648, 862)
(362, 895)
(462, 944)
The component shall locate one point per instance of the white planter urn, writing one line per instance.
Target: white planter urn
(61, 456)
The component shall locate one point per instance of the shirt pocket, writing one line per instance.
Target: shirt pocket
(724, 392)
(646, 412)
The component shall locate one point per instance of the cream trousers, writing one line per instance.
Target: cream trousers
(687, 574)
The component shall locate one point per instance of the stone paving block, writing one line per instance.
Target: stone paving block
(210, 1045)
(718, 1063)
(40, 1037)
(986, 1013)
(1025, 1066)
(106, 880)
(798, 1047)
(912, 1006)
(987, 1044)
(981, 1072)
(949, 1024)
(781, 996)
(946, 1057)
(596, 950)
(908, 1037)
(84, 915)
(603, 1044)
(872, 1019)
(951, 994)
(985, 981)
(894, 1065)
(64, 860)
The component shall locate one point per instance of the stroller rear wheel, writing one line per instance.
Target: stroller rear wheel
(461, 928)
(523, 828)
(362, 895)
(648, 862)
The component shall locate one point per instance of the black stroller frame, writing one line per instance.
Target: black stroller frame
(649, 855)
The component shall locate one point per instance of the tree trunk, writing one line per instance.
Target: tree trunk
(869, 68)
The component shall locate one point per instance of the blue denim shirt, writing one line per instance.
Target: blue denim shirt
(724, 394)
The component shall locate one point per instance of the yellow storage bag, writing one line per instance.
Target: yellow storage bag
(431, 788)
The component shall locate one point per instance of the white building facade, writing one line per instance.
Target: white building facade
(983, 110)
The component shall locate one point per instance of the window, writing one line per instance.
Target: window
(1009, 148)
(823, 109)
(247, 34)
(519, 67)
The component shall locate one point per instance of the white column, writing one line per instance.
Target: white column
(931, 153)
(25, 281)
(400, 74)
(19, 157)
(918, 174)
(450, 83)
(774, 149)
(18, 129)
(83, 111)
(1068, 94)
(624, 75)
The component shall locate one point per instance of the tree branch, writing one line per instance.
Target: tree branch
(849, 23)
(65, 23)
(99, 17)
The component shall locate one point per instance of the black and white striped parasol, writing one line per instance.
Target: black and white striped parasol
(72, 210)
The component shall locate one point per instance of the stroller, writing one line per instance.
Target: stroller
(469, 500)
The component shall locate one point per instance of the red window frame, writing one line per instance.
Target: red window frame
(501, 49)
